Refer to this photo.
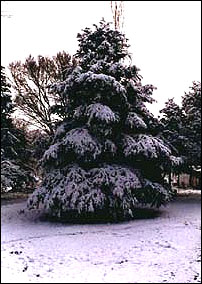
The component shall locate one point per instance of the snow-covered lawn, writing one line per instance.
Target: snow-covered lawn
(166, 248)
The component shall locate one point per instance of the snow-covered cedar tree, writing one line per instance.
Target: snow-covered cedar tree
(106, 158)
(14, 174)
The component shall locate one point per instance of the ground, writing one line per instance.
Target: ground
(163, 249)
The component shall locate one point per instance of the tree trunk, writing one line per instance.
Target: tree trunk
(190, 177)
(169, 178)
(178, 180)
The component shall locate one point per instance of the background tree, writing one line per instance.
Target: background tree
(118, 14)
(6, 110)
(173, 131)
(38, 141)
(173, 126)
(15, 173)
(182, 128)
(106, 158)
(31, 81)
(191, 106)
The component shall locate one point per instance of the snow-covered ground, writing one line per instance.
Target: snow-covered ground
(165, 248)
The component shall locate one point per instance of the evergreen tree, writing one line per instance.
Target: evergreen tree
(6, 101)
(191, 106)
(107, 157)
(173, 127)
(7, 138)
(14, 174)
(182, 127)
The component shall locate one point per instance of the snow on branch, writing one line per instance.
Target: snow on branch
(146, 146)
(96, 114)
(52, 153)
(152, 193)
(60, 131)
(143, 93)
(134, 121)
(82, 143)
(75, 189)
(101, 112)
(85, 86)
(176, 161)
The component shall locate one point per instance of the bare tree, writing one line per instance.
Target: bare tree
(31, 81)
(117, 9)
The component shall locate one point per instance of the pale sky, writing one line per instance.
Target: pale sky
(165, 37)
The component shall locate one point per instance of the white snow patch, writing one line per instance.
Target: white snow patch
(163, 249)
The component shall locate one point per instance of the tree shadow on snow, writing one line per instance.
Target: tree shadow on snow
(140, 213)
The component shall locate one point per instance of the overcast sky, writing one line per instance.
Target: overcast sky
(165, 37)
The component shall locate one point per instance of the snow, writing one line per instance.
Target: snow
(134, 121)
(85, 86)
(101, 112)
(82, 143)
(146, 145)
(157, 250)
(96, 111)
(52, 152)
